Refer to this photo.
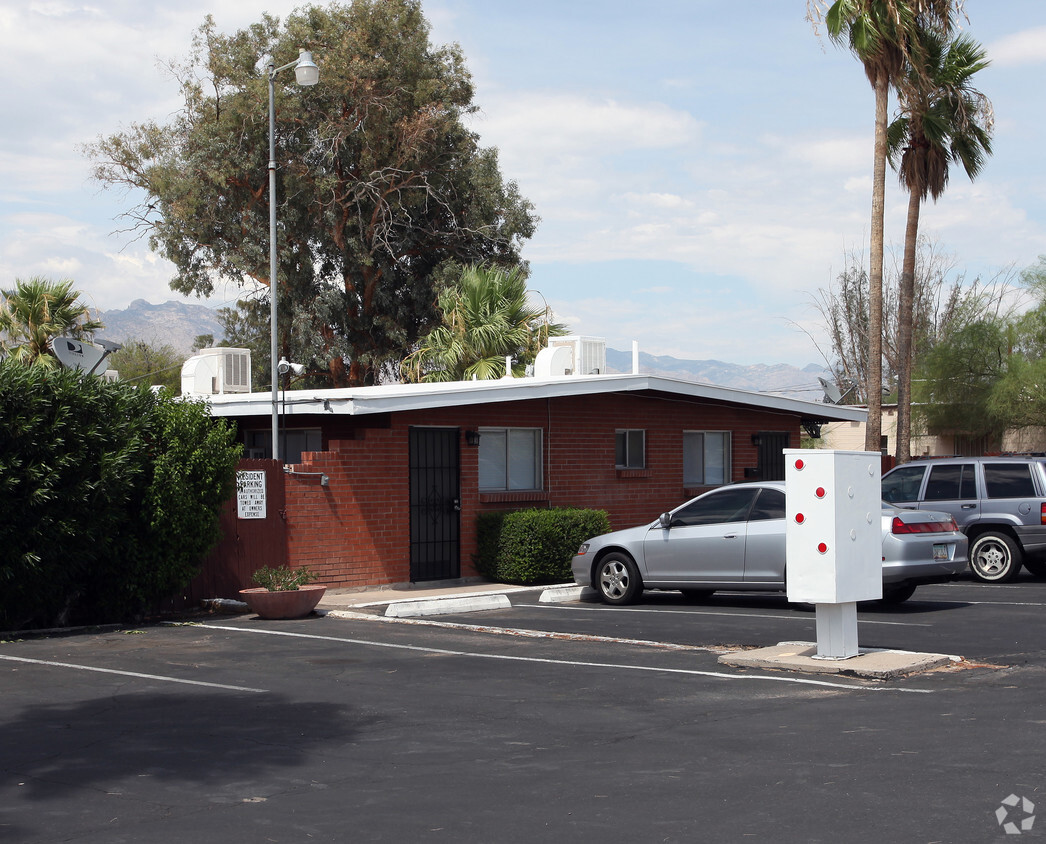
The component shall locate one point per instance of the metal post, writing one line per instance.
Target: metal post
(273, 286)
(306, 73)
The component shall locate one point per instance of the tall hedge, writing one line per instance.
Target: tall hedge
(534, 546)
(109, 495)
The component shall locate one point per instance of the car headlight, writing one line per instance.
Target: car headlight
(583, 549)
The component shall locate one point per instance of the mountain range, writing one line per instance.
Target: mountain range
(178, 324)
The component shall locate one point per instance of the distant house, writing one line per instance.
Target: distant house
(383, 484)
(850, 435)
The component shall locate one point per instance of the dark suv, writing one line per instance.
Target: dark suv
(999, 502)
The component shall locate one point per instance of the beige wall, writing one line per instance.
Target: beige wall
(849, 436)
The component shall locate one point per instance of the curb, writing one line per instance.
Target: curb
(567, 593)
(443, 606)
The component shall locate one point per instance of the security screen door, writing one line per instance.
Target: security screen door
(771, 446)
(435, 504)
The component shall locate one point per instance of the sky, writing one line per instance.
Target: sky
(701, 169)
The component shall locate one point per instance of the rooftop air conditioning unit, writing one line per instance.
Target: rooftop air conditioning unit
(213, 372)
(588, 356)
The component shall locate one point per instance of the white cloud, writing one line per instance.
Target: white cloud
(827, 154)
(1022, 48)
(639, 147)
(659, 201)
(576, 125)
(689, 328)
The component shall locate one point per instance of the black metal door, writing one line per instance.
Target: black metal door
(771, 446)
(435, 521)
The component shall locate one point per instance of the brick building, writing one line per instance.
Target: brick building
(384, 483)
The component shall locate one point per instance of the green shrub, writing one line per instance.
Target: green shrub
(71, 461)
(534, 546)
(488, 540)
(109, 495)
(282, 578)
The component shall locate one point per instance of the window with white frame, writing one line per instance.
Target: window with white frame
(706, 458)
(630, 449)
(510, 459)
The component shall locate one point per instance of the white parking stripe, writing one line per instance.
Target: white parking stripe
(129, 674)
(804, 617)
(992, 603)
(718, 675)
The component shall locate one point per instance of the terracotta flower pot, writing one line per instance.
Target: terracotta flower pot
(295, 603)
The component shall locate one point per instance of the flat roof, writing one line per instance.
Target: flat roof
(392, 398)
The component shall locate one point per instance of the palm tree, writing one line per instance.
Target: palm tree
(878, 33)
(37, 310)
(486, 318)
(943, 119)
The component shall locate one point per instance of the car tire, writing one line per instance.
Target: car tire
(1036, 566)
(617, 579)
(994, 557)
(898, 594)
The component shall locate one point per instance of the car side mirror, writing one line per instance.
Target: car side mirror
(666, 520)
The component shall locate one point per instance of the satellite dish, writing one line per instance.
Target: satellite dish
(831, 392)
(73, 354)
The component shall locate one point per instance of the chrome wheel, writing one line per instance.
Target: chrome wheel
(994, 558)
(617, 579)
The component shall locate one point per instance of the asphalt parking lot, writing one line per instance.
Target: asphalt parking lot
(538, 722)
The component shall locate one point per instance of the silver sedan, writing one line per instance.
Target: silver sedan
(733, 538)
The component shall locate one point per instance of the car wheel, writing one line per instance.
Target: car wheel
(898, 594)
(1036, 566)
(994, 558)
(617, 579)
(697, 594)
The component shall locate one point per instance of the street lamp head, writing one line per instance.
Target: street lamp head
(305, 71)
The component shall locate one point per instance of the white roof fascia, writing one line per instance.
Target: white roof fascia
(395, 398)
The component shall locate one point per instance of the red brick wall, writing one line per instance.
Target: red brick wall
(355, 531)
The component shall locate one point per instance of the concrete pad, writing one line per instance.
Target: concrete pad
(870, 662)
(443, 606)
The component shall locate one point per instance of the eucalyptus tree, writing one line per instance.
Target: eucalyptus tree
(943, 120)
(38, 309)
(878, 33)
(381, 183)
(486, 317)
(944, 301)
(148, 364)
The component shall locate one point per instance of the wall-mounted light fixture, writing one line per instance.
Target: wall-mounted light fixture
(472, 438)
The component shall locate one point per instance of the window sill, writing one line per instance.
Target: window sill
(512, 495)
(623, 474)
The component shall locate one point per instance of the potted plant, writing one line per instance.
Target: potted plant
(283, 592)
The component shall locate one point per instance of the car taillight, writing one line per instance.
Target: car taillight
(1042, 514)
(901, 526)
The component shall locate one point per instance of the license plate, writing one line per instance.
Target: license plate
(940, 552)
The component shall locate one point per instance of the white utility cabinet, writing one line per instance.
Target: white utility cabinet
(833, 536)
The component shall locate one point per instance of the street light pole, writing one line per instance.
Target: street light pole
(306, 73)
